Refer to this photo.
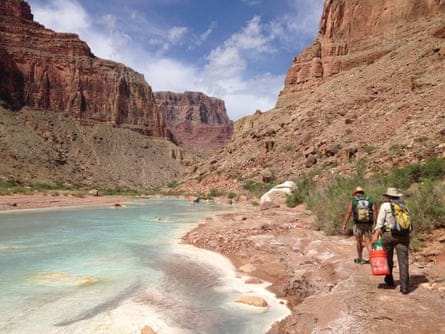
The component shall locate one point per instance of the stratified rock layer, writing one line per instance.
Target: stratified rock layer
(196, 120)
(357, 32)
(46, 70)
(368, 95)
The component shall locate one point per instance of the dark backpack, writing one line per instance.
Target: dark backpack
(402, 217)
(362, 209)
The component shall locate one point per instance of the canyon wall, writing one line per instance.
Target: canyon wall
(365, 97)
(196, 121)
(356, 32)
(46, 70)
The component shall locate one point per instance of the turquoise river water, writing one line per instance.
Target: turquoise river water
(115, 270)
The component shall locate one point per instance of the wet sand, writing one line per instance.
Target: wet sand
(20, 202)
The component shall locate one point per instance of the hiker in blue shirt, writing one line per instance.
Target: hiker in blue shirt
(393, 239)
(364, 212)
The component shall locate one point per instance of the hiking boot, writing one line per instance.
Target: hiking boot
(389, 280)
(404, 291)
(361, 261)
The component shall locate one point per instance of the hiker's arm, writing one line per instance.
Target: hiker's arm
(379, 224)
(347, 216)
(375, 236)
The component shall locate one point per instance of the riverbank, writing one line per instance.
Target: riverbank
(324, 289)
(40, 201)
(314, 273)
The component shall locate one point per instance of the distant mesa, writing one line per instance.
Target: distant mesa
(196, 121)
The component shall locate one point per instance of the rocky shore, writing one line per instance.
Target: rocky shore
(324, 289)
(314, 273)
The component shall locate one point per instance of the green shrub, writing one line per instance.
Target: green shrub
(43, 186)
(427, 206)
(425, 198)
(173, 184)
(214, 193)
(422, 139)
(120, 191)
(369, 149)
(295, 198)
(432, 169)
(231, 195)
(257, 188)
(10, 187)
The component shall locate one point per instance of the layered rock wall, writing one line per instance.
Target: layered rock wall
(196, 120)
(46, 70)
(368, 95)
(356, 32)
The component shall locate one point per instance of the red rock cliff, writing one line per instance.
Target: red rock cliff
(354, 33)
(46, 70)
(196, 120)
(368, 95)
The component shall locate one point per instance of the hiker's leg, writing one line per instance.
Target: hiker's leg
(367, 238)
(388, 246)
(403, 260)
(358, 233)
(359, 244)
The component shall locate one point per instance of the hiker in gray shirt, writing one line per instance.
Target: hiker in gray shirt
(392, 239)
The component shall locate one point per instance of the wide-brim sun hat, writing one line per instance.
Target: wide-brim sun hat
(392, 192)
(358, 190)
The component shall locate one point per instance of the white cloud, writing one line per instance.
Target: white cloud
(251, 2)
(251, 37)
(259, 93)
(169, 75)
(176, 34)
(205, 35)
(224, 73)
(301, 20)
(224, 62)
(62, 16)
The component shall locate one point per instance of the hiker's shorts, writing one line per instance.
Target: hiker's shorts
(362, 230)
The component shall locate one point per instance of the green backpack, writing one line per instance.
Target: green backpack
(362, 209)
(403, 224)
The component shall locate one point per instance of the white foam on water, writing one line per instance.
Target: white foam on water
(233, 284)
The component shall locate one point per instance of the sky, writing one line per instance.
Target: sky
(235, 50)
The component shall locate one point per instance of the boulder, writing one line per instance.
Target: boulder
(147, 330)
(93, 192)
(268, 205)
(278, 194)
(252, 301)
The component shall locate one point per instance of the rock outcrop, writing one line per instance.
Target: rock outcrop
(368, 95)
(278, 194)
(46, 70)
(356, 32)
(196, 121)
(48, 147)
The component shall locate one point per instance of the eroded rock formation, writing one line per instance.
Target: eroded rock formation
(196, 120)
(356, 32)
(367, 95)
(46, 70)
